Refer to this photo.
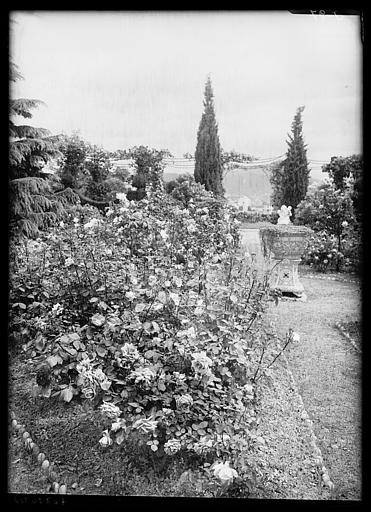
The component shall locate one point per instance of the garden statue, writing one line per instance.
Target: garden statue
(284, 214)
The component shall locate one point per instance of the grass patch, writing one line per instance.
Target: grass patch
(327, 371)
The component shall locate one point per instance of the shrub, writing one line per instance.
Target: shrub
(253, 217)
(329, 212)
(185, 188)
(323, 254)
(147, 311)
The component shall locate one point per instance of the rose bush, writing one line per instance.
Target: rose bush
(149, 311)
(336, 244)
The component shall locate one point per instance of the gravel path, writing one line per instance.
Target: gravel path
(327, 370)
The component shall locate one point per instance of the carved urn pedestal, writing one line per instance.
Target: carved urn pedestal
(285, 243)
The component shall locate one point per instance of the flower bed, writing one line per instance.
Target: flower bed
(149, 313)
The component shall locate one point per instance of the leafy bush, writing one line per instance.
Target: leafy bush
(186, 190)
(253, 217)
(345, 172)
(323, 254)
(337, 242)
(149, 169)
(148, 311)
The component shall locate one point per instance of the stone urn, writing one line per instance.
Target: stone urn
(286, 243)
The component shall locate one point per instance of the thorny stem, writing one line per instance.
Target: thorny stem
(254, 379)
(288, 339)
(66, 275)
(145, 318)
(88, 276)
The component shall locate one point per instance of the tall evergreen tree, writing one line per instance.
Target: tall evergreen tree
(208, 156)
(291, 178)
(33, 203)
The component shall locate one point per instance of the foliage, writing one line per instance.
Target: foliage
(290, 178)
(34, 206)
(344, 171)
(254, 216)
(120, 154)
(188, 156)
(208, 156)
(149, 312)
(149, 169)
(329, 212)
(324, 255)
(30, 148)
(276, 177)
(98, 166)
(235, 156)
(113, 185)
(74, 150)
(230, 159)
(185, 189)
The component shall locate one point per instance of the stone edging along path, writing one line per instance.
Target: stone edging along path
(348, 337)
(305, 416)
(46, 466)
(330, 278)
(325, 478)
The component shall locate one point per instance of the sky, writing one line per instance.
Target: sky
(125, 79)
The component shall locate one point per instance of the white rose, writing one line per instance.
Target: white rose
(105, 440)
(224, 472)
(295, 336)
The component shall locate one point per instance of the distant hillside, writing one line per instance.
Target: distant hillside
(252, 183)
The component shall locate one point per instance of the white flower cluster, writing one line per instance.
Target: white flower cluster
(184, 401)
(69, 262)
(121, 196)
(191, 226)
(144, 374)
(93, 223)
(57, 309)
(295, 336)
(164, 235)
(201, 363)
(229, 238)
(91, 379)
(105, 440)
(110, 410)
(35, 245)
(119, 424)
(145, 425)
(203, 446)
(172, 446)
(118, 219)
(224, 472)
(129, 352)
(179, 377)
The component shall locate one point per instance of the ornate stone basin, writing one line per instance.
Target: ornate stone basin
(285, 243)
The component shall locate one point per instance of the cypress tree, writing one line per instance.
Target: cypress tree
(208, 156)
(292, 177)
